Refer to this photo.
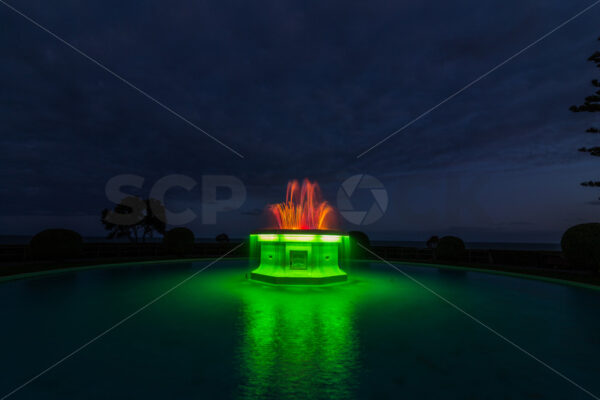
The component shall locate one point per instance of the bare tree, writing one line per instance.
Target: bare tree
(135, 219)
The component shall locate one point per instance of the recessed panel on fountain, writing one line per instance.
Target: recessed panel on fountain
(298, 259)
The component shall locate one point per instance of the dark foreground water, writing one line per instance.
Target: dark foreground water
(380, 336)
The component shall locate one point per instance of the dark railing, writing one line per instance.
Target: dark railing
(517, 258)
(16, 259)
(492, 257)
(20, 253)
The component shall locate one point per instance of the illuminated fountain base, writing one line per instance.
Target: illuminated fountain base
(292, 257)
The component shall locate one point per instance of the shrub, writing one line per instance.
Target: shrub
(360, 237)
(56, 244)
(179, 241)
(581, 246)
(450, 248)
(432, 242)
(222, 237)
(356, 238)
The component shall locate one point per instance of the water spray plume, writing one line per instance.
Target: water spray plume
(303, 208)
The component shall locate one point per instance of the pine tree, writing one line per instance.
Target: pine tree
(591, 104)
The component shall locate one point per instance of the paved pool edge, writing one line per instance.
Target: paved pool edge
(37, 274)
(505, 273)
(557, 281)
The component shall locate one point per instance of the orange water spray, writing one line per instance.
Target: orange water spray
(303, 208)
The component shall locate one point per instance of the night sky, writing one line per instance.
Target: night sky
(300, 88)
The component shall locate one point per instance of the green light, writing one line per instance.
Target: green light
(286, 329)
(299, 258)
(331, 238)
(274, 237)
(299, 238)
(268, 238)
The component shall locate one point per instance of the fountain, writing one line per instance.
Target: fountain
(303, 248)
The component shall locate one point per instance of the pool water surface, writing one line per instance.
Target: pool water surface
(218, 335)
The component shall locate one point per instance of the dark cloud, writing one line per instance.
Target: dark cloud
(254, 212)
(299, 88)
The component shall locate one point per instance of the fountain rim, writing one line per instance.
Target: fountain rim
(300, 232)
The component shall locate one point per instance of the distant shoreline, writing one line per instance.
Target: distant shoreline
(477, 245)
(24, 239)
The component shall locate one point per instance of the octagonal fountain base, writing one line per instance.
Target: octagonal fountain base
(299, 257)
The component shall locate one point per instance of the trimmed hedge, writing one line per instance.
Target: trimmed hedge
(358, 237)
(56, 244)
(222, 237)
(179, 241)
(581, 246)
(450, 248)
(432, 242)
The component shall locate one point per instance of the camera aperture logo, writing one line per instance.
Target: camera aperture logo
(368, 210)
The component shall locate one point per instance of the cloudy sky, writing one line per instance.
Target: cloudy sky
(300, 89)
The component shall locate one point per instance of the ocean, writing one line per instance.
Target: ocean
(23, 239)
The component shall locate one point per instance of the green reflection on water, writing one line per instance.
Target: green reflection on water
(298, 342)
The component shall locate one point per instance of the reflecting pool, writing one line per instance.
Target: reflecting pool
(219, 335)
